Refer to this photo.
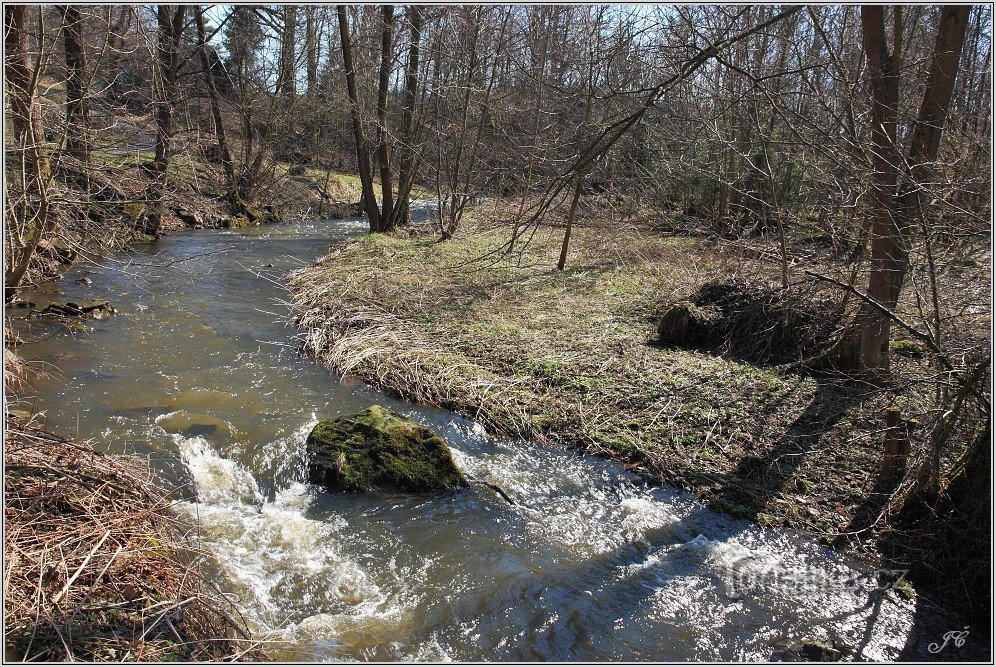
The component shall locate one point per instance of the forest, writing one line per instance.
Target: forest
(469, 333)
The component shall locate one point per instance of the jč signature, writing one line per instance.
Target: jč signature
(956, 636)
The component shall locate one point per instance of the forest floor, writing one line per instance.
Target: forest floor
(570, 357)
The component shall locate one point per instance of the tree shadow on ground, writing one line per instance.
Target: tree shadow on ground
(767, 474)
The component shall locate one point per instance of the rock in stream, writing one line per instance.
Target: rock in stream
(379, 449)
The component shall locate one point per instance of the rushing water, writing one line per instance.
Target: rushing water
(198, 370)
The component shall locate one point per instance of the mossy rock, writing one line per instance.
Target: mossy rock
(141, 237)
(379, 449)
(267, 215)
(684, 323)
(134, 211)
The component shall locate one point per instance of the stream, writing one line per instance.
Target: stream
(198, 370)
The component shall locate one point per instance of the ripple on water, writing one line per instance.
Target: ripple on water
(282, 563)
(591, 564)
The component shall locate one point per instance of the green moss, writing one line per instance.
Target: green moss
(378, 448)
(133, 211)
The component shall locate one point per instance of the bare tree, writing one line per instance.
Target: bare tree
(362, 147)
(27, 209)
(895, 209)
(77, 77)
(170, 23)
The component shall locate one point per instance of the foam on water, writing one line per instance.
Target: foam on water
(590, 564)
(281, 563)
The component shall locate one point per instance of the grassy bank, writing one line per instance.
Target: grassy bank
(570, 358)
(95, 567)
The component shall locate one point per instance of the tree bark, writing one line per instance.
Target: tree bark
(408, 140)
(286, 82)
(219, 125)
(895, 209)
(383, 154)
(311, 48)
(77, 109)
(24, 232)
(169, 30)
(362, 150)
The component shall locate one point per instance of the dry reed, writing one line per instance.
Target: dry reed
(96, 569)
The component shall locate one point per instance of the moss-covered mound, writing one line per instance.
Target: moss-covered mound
(684, 323)
(753, 321)
(378, 448)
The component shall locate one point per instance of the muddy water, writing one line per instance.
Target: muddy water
(198, 371)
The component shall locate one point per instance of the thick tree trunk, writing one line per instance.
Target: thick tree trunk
(169, 30)
(894, 210)
(286, 83)
(362, 150)
(30, 219)
(77, 109)
(889, 253)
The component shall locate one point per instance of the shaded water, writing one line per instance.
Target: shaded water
(197, 370)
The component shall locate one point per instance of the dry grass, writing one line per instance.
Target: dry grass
(569, 357)
(92, 567)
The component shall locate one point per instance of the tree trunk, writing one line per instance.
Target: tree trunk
(408, 140)
(77, 110)
(286, 82)
(311, 47)
(25, 230)
(889, 254)
(383, 154)
(219, 125)
(562, 264)
(170, 27)
(895, 210)
(362, 150)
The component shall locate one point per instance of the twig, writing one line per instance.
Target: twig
(69, 582)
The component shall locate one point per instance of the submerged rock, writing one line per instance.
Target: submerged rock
(814, 651)
(191, 424)
(94, 307)
(378, 448)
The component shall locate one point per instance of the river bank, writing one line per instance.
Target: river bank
(591, 563)
(571, 358)
(97, 568)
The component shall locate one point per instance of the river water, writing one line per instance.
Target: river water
(198, 370)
